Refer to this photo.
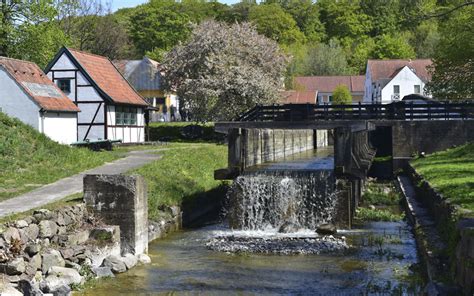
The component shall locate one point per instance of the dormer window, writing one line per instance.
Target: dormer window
(64, 85)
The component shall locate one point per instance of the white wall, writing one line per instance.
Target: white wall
(15, 102)
(63, 63)
(127, 134)
(59, 126)
(407, 80)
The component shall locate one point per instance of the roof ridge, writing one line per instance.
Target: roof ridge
(88, 53)
(18, 60)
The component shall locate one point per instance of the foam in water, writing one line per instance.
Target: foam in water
(269, 199)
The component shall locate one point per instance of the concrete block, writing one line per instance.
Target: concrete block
(121, 200)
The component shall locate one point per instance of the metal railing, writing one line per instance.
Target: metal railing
(442, 110)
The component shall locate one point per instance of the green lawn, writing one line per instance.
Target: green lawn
(452, 173)
(184, 172)
(29, 159)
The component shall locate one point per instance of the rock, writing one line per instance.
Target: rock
(15, 267)
(115, 263)
(35, 262)
(68, 275)
(7, 289)
(67, 253)
(102, 271)
(11, 233)
(288, 227)
(175, 211)
(29, 288)
(144, 259)
(62, 230)
(13, 278)
(71, 264)
(3, 256)
(47, 228)
(325, 229)
(33, 249)
(372, 207)
(42, 214)
(32, 231)
(78, 238)
(21, 224)
(50, 259)
(130, 260)
(55, 285)
(3, 243)
(67, 219)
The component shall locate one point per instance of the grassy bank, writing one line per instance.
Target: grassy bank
(184, 172)
(451, 172)
(29, 159)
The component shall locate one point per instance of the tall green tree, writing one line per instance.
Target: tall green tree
(453, 61)
(272, 21)
(392, 47)
(326, 59)
(29, 30)
(157, 26)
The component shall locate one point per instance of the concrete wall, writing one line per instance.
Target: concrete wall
(411, 137)
(266, 145)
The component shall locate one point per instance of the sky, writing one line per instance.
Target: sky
(117, 4)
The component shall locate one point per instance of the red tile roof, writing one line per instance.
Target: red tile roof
(329, 83)
(108, 78)
(298, 97)
(386, 69)
(37, 85)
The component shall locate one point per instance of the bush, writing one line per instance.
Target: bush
(341, 95)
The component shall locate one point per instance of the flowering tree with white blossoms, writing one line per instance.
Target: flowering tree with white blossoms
(224, 70)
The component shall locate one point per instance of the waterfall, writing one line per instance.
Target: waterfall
(270, 198)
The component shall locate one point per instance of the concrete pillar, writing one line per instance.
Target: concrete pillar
(120, 200)
(344, 206)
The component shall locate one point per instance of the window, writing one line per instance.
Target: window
(330, 99)
(125, 115)
(396, 89)
(417, 89)
(64, 85)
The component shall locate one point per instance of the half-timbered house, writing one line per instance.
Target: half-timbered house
(111, 108)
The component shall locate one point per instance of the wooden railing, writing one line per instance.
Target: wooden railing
(396, 111)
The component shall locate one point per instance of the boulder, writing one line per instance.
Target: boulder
(35, 262)
(67, 253)
(106, 234)
(50, 259)
(31, 232)
(115, 263)
(47, 228)
(33, 249)
(326, 229)
(55, 286)
(130, 260)
(71, 264)
(11, 233)
(288, 227)
(102, 271)
(3, 256)
(7, 289)
(29, 288)
(68, 276)
(3, 243)
(14, 267)
(144, 259)
(42, 214)
(21, 224)
(78, 238)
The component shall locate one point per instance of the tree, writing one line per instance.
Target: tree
(158, 26)
(224, 70)
(392, 47)
(29, 30)
(341, 95)
(272, 21)
(453, 62)
(326, 59)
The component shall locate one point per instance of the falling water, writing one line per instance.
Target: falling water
(271, 198)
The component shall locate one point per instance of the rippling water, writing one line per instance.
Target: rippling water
(380, 262)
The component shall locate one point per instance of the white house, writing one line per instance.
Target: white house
(110, 107)
(27, 94)
(389, 81)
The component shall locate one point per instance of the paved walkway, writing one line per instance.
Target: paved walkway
(71, 185)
